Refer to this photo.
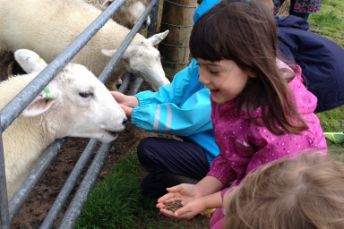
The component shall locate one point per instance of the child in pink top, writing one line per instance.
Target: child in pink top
(245, 145)
(261, 111)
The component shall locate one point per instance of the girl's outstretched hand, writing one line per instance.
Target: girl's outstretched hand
(126, 100)
(182, 211)
(191, 209)
(187, 192)
(127, 110)
(180, 194)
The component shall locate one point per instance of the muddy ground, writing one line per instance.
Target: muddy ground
(43, 195)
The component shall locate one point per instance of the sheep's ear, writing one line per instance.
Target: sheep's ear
(29, 61)
(108, 52)
(40, 104)
(157, 38)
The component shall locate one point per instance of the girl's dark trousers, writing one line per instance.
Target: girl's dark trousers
(170, 162)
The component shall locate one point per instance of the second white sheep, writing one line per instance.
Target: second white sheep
(49, 26)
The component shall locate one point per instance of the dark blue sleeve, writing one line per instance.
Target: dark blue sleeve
(321, 60)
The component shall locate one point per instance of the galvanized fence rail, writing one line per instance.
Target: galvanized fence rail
(14, 108)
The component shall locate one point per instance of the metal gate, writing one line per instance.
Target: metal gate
(12, 110)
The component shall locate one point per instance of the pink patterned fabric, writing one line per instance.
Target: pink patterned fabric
(245, 145)
(299, 6)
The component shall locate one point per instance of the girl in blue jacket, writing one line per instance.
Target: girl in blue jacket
(183, 109)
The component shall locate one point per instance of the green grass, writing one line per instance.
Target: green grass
(116, 201)
(332, 120)
(329, 21)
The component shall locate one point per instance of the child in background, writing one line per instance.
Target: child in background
(299, 8)
(261, 111)
(309, 190)
(320, 58)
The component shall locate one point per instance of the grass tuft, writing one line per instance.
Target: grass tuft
(113, 202)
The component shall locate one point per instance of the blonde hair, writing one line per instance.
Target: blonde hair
(302, 193)
(268, 3)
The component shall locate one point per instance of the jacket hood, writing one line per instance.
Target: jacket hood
(204, 7)
(292, 22)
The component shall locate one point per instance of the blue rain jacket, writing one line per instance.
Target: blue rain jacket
(321, 60)
(181, 108)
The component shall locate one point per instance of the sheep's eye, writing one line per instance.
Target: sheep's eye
(86, 94)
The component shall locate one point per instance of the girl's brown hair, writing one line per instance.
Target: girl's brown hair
(245, 32)
(302, 193)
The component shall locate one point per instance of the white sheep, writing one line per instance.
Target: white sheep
(75, 103)
(49, 26)
(129, 12)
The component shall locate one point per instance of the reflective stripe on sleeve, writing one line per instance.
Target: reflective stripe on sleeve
(156, 118)
(169, 117)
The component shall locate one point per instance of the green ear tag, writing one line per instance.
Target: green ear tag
(47, 94)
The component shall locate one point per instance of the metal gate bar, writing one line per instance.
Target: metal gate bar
(3, 188)
(68, 185)
(81, 195)
(42, 164)
(17, 105)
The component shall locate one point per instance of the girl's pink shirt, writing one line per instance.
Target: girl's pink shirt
(245, 145)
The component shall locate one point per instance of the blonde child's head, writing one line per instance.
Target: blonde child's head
(303, 193)
(243, 33)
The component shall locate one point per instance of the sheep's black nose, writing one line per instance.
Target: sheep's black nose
(124, 121)
(145, 23)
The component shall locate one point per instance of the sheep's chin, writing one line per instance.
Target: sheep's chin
(108, 137)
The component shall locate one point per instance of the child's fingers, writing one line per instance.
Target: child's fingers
(182, 211)
(117, 95)
(185, 213)
(176, 188)
(164, 198)
(160, 205)
(167, 197)
(127, 110)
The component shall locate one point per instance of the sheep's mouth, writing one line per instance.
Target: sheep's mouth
(112, 133)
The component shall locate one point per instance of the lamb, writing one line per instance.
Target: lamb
(48, 26)
(75, 103)
(129, 12)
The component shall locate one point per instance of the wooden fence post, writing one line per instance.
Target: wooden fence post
(177, 16)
